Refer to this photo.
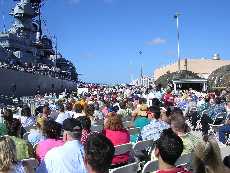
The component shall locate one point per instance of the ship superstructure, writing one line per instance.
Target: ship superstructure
(25, 48)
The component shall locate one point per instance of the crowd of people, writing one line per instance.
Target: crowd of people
(59, 133)
(41, 69)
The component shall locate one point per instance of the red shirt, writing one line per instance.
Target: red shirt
(174, 170)
(118, 138)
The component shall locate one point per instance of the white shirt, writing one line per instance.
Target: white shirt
(61, 117)
(27, 121)
(68, 158)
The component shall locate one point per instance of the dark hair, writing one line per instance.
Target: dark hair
(170, 146)
(89, 110)
(8, 116)
(61, 108)
(156, 110)
(52, 129)
(227, 161)
(78, 108)
(177, 110)
(155, 102)
(26, 111)
(217, 100)
(122, 105)
(178, 121)
(69, 106)
(46, 108)
(85, 122)
(142, 101)
(14, 127)
(99, 151)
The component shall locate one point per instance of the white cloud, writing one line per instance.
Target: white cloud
(156, 41)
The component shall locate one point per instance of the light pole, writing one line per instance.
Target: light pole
(178, 39)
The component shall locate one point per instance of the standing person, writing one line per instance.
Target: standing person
(99, 152)
(168, 149)
(115, 131)
(68, 158)
(153, 130)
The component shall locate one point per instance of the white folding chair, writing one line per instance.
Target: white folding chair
(215, 127)
(99, 122)
(129, 168)
(199, 126)
(25, 136)
(141, 146)
(30, 128)
(184, 160)
(123, 148)
(150, 166)
(96, 128)
(127, 124)
(134, 131)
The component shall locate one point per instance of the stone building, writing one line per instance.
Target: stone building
(202, 67)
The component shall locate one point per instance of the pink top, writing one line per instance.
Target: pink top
(118, 138)
(46, 145)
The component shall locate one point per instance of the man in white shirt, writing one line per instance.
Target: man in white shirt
(68, 158)
(62, 115)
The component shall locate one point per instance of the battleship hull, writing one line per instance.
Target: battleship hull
(17, 83)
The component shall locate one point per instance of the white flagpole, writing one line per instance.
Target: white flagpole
(178, 40)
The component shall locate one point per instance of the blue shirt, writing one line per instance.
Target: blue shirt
(153, 130)
(216, 109)
(68, 158)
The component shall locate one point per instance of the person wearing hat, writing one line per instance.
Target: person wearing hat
(68, 158)
(153, 130)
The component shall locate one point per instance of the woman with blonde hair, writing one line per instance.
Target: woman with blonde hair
(8, 160)
(207, 158)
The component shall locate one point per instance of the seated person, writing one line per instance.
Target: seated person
(23, 148)
(68, 158)
(168, 149)
(153, 130)
(52, 132)
(99, 152)
(86, 125)
(213, 111)
(224, 131)
(62, 115)
(36, 135)
(207, 158)
(27, 119)
(115, 131)
(141, 120)
(7, 120)
(178, 125)
(8, 160)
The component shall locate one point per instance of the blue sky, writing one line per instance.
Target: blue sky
(103, 37)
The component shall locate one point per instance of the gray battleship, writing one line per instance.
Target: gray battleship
(29, 63)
